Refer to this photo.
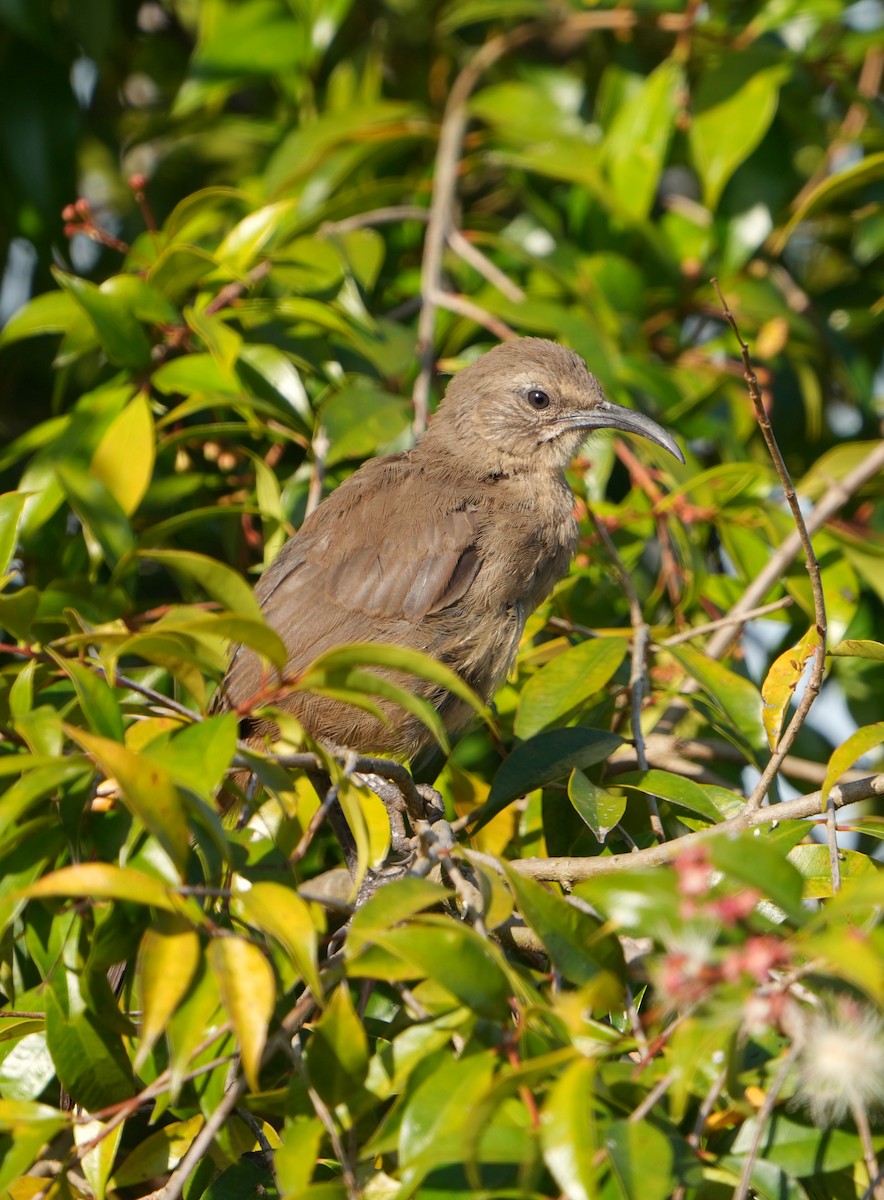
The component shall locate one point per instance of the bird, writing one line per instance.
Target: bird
(445, 548)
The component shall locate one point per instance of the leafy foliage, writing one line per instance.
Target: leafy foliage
(591, 992)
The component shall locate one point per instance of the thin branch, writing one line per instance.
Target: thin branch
(232, 291)
(836, 496)
(318, 818)
(320, 447)
(567, 870)
(454, 302)
(762, 1117)
(832, 840)
(811, 690)
(762, 610)
(473, 256)
(376, 216)
(173, 1188)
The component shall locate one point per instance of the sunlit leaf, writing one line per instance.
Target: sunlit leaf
(248, 992)
(782, 679)
(167, 960)
(858, 744)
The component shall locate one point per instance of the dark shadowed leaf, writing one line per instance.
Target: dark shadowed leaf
(543, 759)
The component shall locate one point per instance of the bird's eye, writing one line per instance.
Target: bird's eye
(538, 399)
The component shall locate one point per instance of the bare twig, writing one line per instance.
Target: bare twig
(763, 610)
(232, 291)
(832, 840)
(320, 447)
(173, 1188)
(454, 302)
(376, 216)
(329, 799)
(473, 256)
(812, 687)
(836, 496)
(762, 1117)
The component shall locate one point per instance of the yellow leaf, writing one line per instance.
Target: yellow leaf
(248, 993)
(124, 459)
(781, 681)
(147, 789)
(280, 912)
(167, 961)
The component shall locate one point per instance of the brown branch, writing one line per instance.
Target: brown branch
(473, 256)
(376, 216)
(232, 291)
(452, 130)
(837, 495)
(568, 870)
(761, 1118)
(762, 610)
(320, 446)
(454, 302)
(812, 687)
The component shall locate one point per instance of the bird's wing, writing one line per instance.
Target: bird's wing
(377, 547)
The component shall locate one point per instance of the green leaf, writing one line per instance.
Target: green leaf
(395, 902)
(566, 682)
(437, 1115)
(216, 579)
(456, 958)
(678, 790)
(124, 459)
(781, 681)
(89, 1058)
(599, 808)
(119, 330)
(639, 135)
(577, 943)
(398, 658)
(816, 869)
(859, 648)
(870, 169)
(541, 760)
(99, 512)
(760, 863)
(295, 1159)
(11, 505)
(337, 1057)
(734, 105)
(158, 1153)
(737, 698)
(198, 756)
(18, 610)
(26, 1128)
(848, 752)
(280, 912)
(100, 705)
(53, 312)
(568, 1132)
(641, 1158)
(147, 790)
(167, 960)
(97, 1163)
(248, 992)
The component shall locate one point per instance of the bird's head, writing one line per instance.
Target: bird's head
(529, 404)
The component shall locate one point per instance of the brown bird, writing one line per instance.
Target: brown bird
(445, 548)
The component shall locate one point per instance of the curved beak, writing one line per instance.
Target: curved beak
(605, 415)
